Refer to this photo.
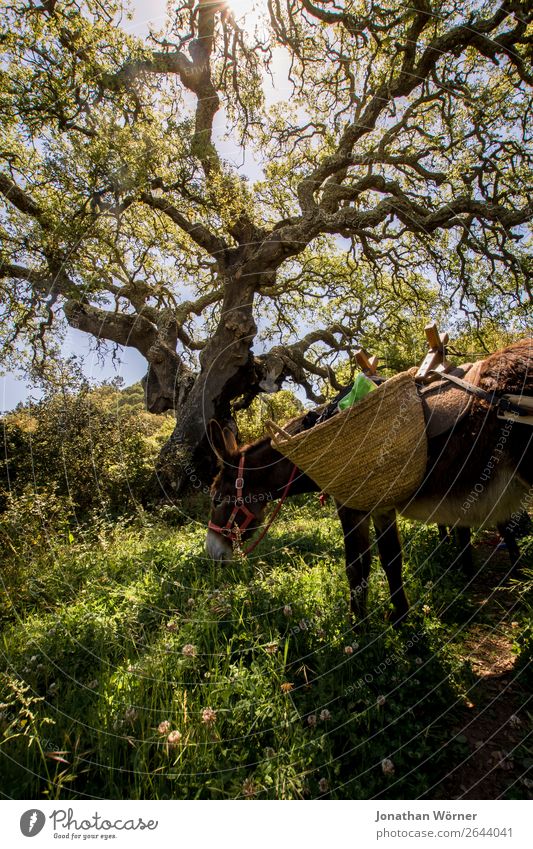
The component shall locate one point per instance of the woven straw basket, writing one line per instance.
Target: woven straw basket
(371, 455)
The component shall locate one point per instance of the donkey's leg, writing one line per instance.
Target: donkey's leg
(466, 554)
(444, 534)
(356, 529)
(512, 547)
(390, 553)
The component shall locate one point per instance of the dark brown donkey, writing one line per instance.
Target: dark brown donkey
(478, 474)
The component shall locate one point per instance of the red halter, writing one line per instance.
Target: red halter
(228, 530)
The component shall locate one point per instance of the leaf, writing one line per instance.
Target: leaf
(57, 756)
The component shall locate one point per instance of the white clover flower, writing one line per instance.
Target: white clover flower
(387, 766)
(174, 738)
(248, 788)
(209, 716)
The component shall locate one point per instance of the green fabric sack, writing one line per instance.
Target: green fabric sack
(361, 387)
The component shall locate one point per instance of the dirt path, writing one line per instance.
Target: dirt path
(496, 724)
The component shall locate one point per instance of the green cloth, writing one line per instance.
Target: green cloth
(361, 387)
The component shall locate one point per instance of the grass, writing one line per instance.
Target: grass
(110, 631)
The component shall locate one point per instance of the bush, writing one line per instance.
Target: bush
(280, 406)
(86, 447)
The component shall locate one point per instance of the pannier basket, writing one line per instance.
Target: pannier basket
(371, 455)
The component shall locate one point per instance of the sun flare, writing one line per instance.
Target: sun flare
(245, 10)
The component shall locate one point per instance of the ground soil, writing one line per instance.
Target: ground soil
(495, 723)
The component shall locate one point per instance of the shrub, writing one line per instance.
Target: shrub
(86, 447)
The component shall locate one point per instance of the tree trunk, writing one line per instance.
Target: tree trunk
(227, 371)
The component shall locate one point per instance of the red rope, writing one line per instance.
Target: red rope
(274, 514)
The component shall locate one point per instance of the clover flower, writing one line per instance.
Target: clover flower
(248, 788)
(130, 714)
(209, 716)
(174, 738)
(387, 766)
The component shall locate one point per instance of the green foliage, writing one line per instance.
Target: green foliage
(394, 181)
(90, 449)
(128, 635)
(280, 407)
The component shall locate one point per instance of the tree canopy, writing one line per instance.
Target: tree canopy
(244, 200)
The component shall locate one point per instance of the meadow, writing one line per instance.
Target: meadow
(132, 667)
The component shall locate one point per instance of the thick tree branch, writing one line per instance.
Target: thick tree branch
(42, 282)
(289, 361)
(199, 233)
(20, 199)
(129, 330)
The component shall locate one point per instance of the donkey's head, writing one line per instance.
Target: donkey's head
(239, 493)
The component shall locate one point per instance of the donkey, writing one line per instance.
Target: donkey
(478, 474)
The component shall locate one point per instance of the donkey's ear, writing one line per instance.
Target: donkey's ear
(231, 442)
(216, 439)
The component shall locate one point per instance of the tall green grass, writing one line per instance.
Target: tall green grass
(134, 668)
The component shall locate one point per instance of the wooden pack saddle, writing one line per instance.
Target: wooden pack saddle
(444, 404)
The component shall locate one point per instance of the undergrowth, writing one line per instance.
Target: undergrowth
(134, 668)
